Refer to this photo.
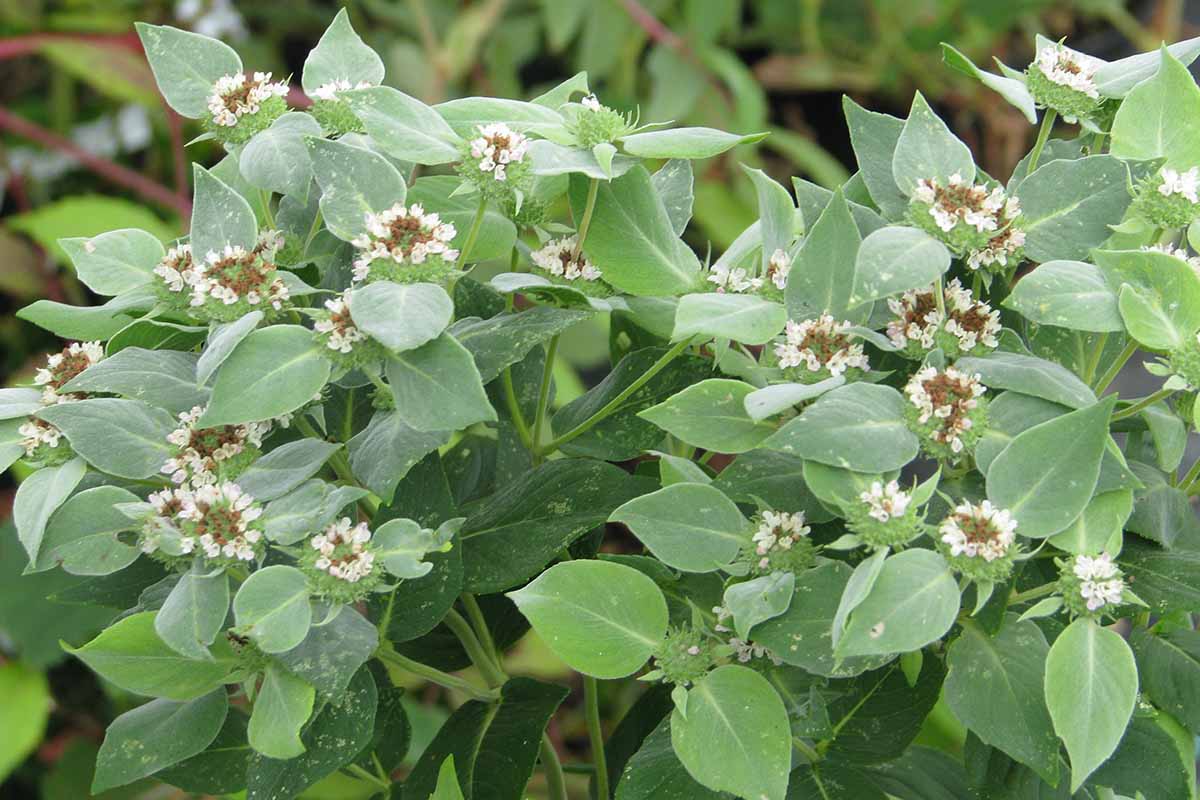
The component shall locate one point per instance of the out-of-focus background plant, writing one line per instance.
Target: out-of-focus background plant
(87, 145)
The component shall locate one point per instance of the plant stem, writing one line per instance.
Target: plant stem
(806, 750)
(1043, 134)
(491, 672)
(473, 234)
(579, 769)
(1139, 405)
(591, 700)
(339, 464)
(616, 402)
(1093, 364)
(1190, 479)
(539, 418)
(514, 409)
(479, 622)
(314, 230)
(269, 215)
(363, 774)
(1032, 594)
(556, 785)
(1114, 368)
(586, 221)
(434, 675)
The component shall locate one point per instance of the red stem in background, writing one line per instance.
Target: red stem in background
(122, 176)
(651, 25)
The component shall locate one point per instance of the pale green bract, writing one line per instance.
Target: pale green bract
(878, 453)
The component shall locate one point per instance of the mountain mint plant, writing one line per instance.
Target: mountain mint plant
(863, 464)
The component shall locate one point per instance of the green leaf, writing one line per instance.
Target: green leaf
(874, 137)
(1046, 476)
(674, 185)
(277, 159)
(341, 55)
(222, 339)
(882, 700)
(1154, 119)
(186, 65)
(631, 239)
(126, 438)
(447, 782)
(741, 318)
(401, 544)
(528, 522)
(38, 497)
(801, 636)
(281, 707)
(927, 149)
(505, 339)
(194, 613)
(736, 736)
(1091, 688)
(272, 608)
(332, 652)
(778, 397)
(1154, 759)
(271, 372)
(88, 322)
(1010, 89)
(24, 713)
(691, 527)
(220, 216)
(1103, 518)
(164, 378)
(654, 772)
(994, 687)
(17, 403)
(156, 735)
(603, 619)
(913, 602)
(1029, 375)
(777, 215)
(759, 600)
(116, 261)
(693, 143)
(822, 275)
(218, 769)
(1069, 294)
(130, 655)
(285, 468)
(895, 259)
(550, 159)
(1168, 580)
(465, 114)
(1068, 205)
(401, 317)
(711, 415)
(81, 536)
(354, 181)
(437, 386)
(383, 452)
(1169, 668)
(859, 427)
(403, 126)
(1116, 78)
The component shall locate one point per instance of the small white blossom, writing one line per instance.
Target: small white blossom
(885, 501)
(35, 432)
(972, 322)
(339, 326)
(558, 257)
(998, 250)
(947, 396)
(200, 451)
(736, 280)
(1100, 581)
(342, 552)
(979, 531)
(778, 530)
(405, 235)
(234, 96)
(821, 343)
(221, 515)
(1066, 68)
(497, 146)
(961, 202)
(63, 366)
(778, 268)
(1185, 183)
(591, 103)
(329, 91)
(174, 265)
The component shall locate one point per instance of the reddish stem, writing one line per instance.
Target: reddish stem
(120, 175)
(652, 26)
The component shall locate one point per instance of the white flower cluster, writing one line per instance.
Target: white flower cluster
(778, 530)
(61, 367)
(558, 257)
(221, 514)
(497, 146)
(591, 103)
(979, 531)
(778, 268)
(885, 501)
(1072, 70)
(744, 651)
(343, 553)
(235, 96)
(174, 265)
(35, 433)
(736, 280)
(404, 235)
(998, 248)
(972, 322)
(167, 505)
(948, 396)
(1185, 183)
(1100, 581)
(960, 201)
(340, 327)
(201, 450)
(329, 91)
(821, 343)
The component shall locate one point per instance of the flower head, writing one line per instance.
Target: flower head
(37, 437)
(497, 148)
(969, 325)
(329, 91)
(559, 258)
(684, 656)
(973, 220)
(594, 123)
(1065, 81)
(885, 502)
(204, 456)
(818, 348)
(228, 284)
(223, 520)
(1170, 199)
(176, 264)
(732, 279)
(342, 550)
(63, 366)
(780, 543)
(1090, 584)
(337, 328)
(979, 540)
(778, 268)
(945, 410)
(404, 236)
(885, 515)
(238, 95)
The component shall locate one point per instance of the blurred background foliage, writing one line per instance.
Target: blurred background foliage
(86, 145)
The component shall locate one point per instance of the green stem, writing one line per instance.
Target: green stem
(591, 699)
(579, 768)
(491, 672)
(266, 204)
(806, 750)
(1093, 364)
(476, 225)
(539, 418)
(1032, 594)
(1190, 479)
(479, 622)
(313, 230)
(363, 774)
(1043, 134)
(939, 296)
(1139, 405)
(339, 463)
(1114, 368)
(556, 785)
(434, 675)
(514, 409)
(586, 221)
(616, 402)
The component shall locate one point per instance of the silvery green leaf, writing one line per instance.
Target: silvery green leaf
(38, 496)
(771, 400)
(1011, 89)
(401, 317)
(81, 535)
(1117, 78)
(89, 322)
(125, 438)
(186, 65)
(354, 181)
(16, 403)
(673, 182)
(927, 149)
(285, 468)
(466, 114)
(744, 318)
(308, 508)
(194, 612)
(114, 262)
(341, 55)
(689, 143)
(401, 545)
(604, 153)
(873, 136)
(220, 216)
(437, 386)
(383, 452)
(277, 160)
(222, 339)
(822, 275)
(272, 608)
(164, 378)
(1069, 294)
(403, 126)
(562, 93)
(776, 212)
(896, 259)
(549, 158)
(758, 600)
